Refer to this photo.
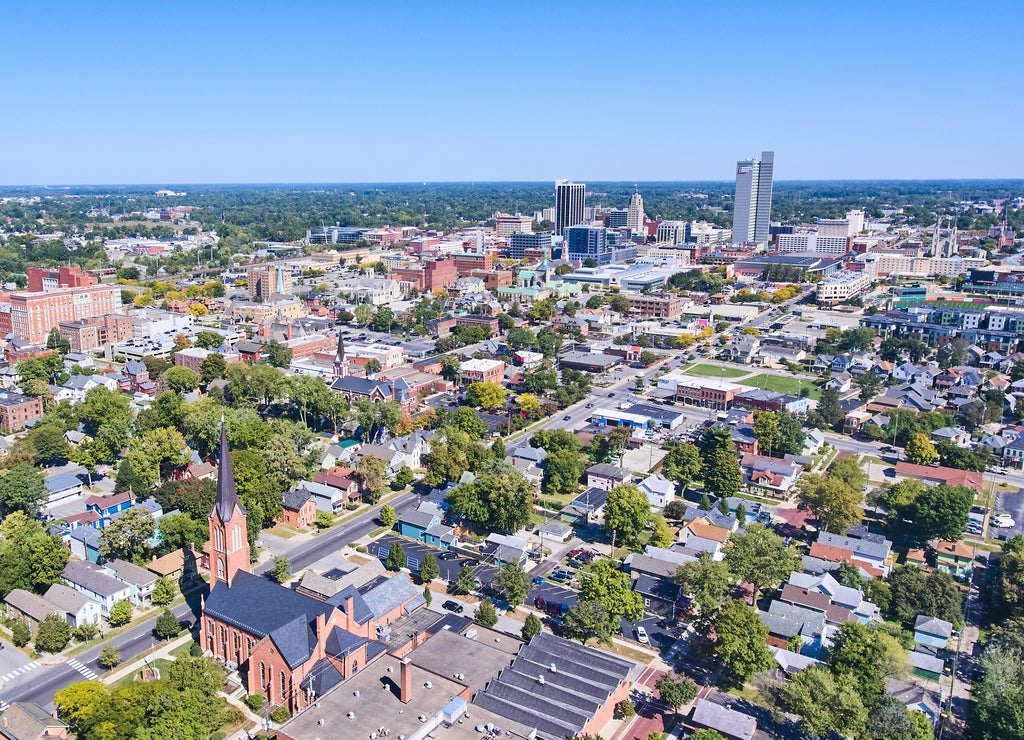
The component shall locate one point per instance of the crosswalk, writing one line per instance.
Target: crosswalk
(19, 671)
(83, 669)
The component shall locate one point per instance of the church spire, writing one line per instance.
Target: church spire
(227, 498)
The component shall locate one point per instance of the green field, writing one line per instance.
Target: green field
(782, 384)
(716, 371)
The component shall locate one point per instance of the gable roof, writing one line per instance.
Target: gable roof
(392, 593)
(727, 721)
(277, 605)
(27, 721)
(67, 598)
(92, 577)
(933, 626)
(131, 573)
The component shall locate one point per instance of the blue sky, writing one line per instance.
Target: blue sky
(386, 90)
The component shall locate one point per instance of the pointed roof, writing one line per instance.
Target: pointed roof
(227, 498)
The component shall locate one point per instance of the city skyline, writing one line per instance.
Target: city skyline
(205, 95)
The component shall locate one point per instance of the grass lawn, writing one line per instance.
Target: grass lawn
(282, 531)
(716, 371)
(782, 384)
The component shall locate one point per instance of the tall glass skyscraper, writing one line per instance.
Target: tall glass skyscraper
(752, 215)
(570, 199)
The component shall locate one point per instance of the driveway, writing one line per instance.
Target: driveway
(1013, 502)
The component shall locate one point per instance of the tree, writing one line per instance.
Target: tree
(791, 437)
(155, 453)
(766, 429)
(371, 475)
(486, 395)
(870, 384)
(619, 304)
(500, 498)
(920, 451)
(22, 488)
(603, 582)
(403, 478)
(661, 533)
(128, 536)
(835, 503)
(181, 379)
(52, 634)
(707, 582)
(167, 625)
(429, 569)
(388, 517)
(513, 582)
(997, 697)
(20, 634)
(30, 559)
(682, 464)
(85, 632)
(825, 703)
(531, 627)
(625, 709)
(383, 319)
(587, 620)
(466, 581)
(282, 569)
(520, 338)
(759, 557)
(675, 691)
(741, 640)
(428, 595)
(829, 409)
(212, 367)
(626, 513)
(486, 613)
(48, 443)
(277, 354)
(120, 613)
(563, 469)
(868, 657)
(707, 734)
(915, 592)
(941, 512)
(110, 657)
(164, 591)
(722, 474)
(468, 421)
(396, 557)
(181, 530)
(324, 520)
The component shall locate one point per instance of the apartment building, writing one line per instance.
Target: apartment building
(506, 225)
(17, 410)
(45, 278)
(89, 334)
(655, 306)
(266, 281)
(842, 286)
(34, 314)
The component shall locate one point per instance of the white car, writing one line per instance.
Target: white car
(1003, 521)
(641, 635)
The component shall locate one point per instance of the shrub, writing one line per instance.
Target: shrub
(280, 714)
(20, 634)
(625, 709)
(53, 634)
(85, 633)
(195, 650)
(254, 702)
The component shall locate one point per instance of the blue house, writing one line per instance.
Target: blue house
(441, 536)
(932, 631)
(85, 543)
(108, 506)
(415, 523)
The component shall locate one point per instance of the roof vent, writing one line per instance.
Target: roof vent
(351, 715)
(391, 669)
(553, 668)
(355, 693)
(422, 718)
(428, 685)
(497, 639)
(540, 679)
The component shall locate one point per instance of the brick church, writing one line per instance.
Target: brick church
(287, 646)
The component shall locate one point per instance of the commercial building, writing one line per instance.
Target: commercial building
(430, 276)
(842, 286)
(265, 282)
(17, 410)
(884, 264)
(570, 199)
(44, 278)
(671, 232)
(813, 242)
(604, 246)
(520, 243)
(753, 202)
(34, 314)
(635, 215)
(484, 371)
(506, 225)
(655, 306)
(88, 334)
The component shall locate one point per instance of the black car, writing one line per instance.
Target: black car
(452, 606)
(472, 563)
(447, 556)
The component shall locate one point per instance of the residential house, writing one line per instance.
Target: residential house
(932, 632)
(555, 531)
(62, 487)
(741, 350)
(97, 583)
(504, 549)
(415, 522)
(25, 605)
(954, 435)
(727, 722)
(840, 382)
(787, 621)
(660, 596)
(586, 507)
(875, 551)
(813, 442)
(702, 536)
(412, 448)
(24, 720)
(78, 607)
(141, 580)
(844, 596)
(769, 475)
(660, 491)
(327, 498)
(916, 698)
(790, 662)
(107, 506)
(606, 476)
(926, 665)
(393, 458)
(955, 558)
(712, 516)
(84, 543)
(181, 566)
(297, 508)
(1013, 453)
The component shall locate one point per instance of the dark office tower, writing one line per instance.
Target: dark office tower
(752, 212)
(569, 201)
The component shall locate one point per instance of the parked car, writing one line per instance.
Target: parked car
(447, 556)
(641, 635)
(453, 606)
(1003, 521)
(540, 580)
(566, 418)
(540, 603)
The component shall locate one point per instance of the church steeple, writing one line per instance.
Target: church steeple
(229, 534)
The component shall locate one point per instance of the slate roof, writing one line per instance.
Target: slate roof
(925, 662)
(416, 518)
(295, 498)
(277, 605)
(657, 588)
(787, 620)
(322, 677)
(362, 613)
(607, 470)
(227, 498)
(92, 577)
(727, 721)
(583, 680)
(933, 626)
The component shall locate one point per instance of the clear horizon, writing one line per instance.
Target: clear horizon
(314, 92)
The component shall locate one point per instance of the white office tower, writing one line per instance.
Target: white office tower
(753, 206)
(570, 200)
(635, 214)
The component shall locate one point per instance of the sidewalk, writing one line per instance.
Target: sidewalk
(136, 663)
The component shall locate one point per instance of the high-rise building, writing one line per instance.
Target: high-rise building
(604, 246)
(616, 218)
(570, 199)
(635, 217)
(753, 203)
(265, 282)
(33, 314)
(518, 244)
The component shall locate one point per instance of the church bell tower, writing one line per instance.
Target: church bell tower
(229, 536)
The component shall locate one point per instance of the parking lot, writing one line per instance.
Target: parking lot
(1011, 502)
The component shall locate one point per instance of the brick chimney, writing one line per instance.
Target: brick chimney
(405, 690)
(350, 612)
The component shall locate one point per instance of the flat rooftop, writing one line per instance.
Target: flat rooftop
(476, 660)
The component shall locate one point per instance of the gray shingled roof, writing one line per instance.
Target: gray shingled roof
(390, 594)
(92, 577)
(67, 598)
(727, 721)
(278, 605)
(933, 626)
(130, 573)
(34, 606)
(867, 548)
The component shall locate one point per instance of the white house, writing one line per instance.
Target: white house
(78, 607)
(659, 491)
(97, 583)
